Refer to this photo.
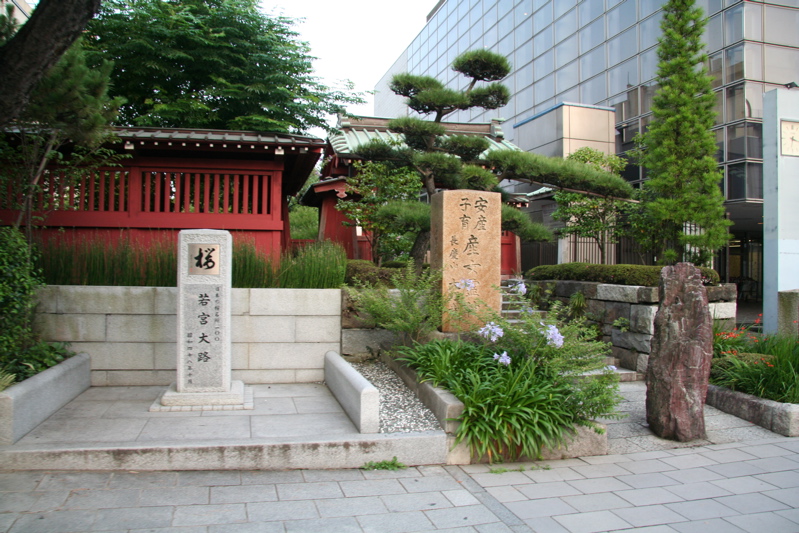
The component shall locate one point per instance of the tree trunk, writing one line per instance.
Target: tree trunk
(419, 249)
(37, 46)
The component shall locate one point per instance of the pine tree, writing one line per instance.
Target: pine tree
(682, 195)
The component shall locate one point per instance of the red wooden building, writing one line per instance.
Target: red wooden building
(182, 179)
(340, 153)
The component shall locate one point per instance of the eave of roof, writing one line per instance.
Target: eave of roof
(357, 131)
(227, 138)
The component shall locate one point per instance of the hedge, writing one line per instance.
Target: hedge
(648, 276)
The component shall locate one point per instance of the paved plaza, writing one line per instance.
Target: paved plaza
(743, 478)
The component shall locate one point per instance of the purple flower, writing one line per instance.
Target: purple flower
(519, 287)
(611, 368)
(467, 284)
(491, 331)
(554, 338)
(503, 359)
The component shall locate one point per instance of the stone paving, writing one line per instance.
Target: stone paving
(743, 478)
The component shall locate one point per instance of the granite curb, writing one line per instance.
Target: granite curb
(782, 418)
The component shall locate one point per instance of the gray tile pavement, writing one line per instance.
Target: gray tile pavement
(743, 479)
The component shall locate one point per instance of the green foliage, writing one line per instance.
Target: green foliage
(536, 168)
(412, 311)
(218, 64)
(393, 464)
(19, 281)
(35, 358)
(482, 65)
(477, 178)
(6, 380)
(521, 224)
(319, 265)
(599, 160)
(527, 386)
(369, 190)
(62, 127)
(648, 276)
(363, 272)
(154, 264)
(679, 149)
(577, 304)
(768, 368)
(467, 147)
(304, 222)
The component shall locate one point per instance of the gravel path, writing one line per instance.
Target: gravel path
(400, 410)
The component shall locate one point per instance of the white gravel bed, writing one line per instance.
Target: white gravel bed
(400, 410)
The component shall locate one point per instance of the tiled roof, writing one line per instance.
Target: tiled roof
(222, 136)
(354, 131)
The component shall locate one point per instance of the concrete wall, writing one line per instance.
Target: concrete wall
(279, 335)
(637, 306)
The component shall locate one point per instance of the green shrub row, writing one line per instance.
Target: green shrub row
(647, 276)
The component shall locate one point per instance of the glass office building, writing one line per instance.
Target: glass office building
(603, 52)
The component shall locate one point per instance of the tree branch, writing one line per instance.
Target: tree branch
(37, 46)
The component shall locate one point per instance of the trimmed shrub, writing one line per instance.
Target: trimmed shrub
(647, 276)
(361, 271)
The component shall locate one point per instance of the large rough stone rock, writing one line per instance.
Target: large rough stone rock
(679, 364)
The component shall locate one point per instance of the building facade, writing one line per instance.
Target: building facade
(603, 53)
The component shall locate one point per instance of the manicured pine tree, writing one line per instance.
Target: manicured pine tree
(682, 196)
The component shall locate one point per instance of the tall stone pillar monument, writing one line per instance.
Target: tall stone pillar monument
(465, 244)
(780, 192)
(204, 336)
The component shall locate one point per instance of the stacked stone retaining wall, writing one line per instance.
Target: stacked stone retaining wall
(636, 306)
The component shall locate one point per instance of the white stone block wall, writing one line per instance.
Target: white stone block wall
(279, 335)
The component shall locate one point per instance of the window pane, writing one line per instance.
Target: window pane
(719, 108)
(626, 105)
(648, 7)
(734, 25)
(523, 54)
(754, 100)
(754, 61)
(544, 65)
(524, 100)
(781, 25)
(592, 35)
(524, 77)
(709, 6)
(736, 141)
(650, 31)
(713, 34)
(621, 17)
(647, 93)
(562, 6)
(566, 51)
(593, 62)
(523, 10)
(782, 64)
(572, 95)
(566, 77)
(523, 33)
(543, 41)
(589, 11)
(735, 103)
(545, 88)
(622, 47)
(593, 91)
(754, 180)
(719, 133)
(736, 181)
(649, 64)
(753, 22)
(505, 25)
(542, 19)
(734, 60)
(623, 77)
(566, 25)
(714, 69)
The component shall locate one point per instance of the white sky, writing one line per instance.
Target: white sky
(356, 40)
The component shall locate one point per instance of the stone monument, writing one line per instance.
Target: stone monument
(465, 245)
(679, 364)
(204, 336)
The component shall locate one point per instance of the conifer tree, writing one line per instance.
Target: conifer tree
(682, 196)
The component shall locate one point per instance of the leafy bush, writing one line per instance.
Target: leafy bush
(362, 272)
(526, 387)
(766, 366)
(648, 276)
(413, 311)
(21, 354)
(19, 281)
(319, 265)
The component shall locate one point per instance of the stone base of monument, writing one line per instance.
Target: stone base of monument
(239, 397)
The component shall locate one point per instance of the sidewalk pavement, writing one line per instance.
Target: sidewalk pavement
(742, 479)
